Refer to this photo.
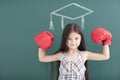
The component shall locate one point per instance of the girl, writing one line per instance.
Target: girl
(72, 56)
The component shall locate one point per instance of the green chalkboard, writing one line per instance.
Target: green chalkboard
(21, 20)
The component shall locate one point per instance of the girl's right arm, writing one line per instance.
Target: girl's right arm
(43, 57)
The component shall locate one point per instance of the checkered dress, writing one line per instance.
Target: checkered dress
(72, 70)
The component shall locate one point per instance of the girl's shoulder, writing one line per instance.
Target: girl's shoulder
(84, 53)
(60, 55)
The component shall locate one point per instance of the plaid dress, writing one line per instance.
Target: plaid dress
(72, 70)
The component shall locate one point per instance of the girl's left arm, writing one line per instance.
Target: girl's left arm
(105, 55)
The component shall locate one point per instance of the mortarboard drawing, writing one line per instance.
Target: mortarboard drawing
(71, 11)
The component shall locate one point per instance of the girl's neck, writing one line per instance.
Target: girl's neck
(72, 51)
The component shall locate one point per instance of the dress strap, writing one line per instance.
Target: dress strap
(81, 56)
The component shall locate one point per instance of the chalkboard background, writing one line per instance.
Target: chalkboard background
(21, 20)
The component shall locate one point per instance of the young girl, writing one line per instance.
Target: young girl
(72, 55)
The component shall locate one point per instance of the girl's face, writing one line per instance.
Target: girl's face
(73, 40)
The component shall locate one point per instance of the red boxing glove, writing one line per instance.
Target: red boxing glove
(44, 40)
(101, 35)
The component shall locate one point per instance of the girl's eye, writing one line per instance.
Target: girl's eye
(76, 38)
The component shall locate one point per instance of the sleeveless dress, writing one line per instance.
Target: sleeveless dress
(72, 70)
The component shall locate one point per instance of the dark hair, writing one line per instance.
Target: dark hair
(63, 47)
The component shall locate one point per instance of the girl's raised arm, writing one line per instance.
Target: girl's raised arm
(100, 35)
(43, 57)
(105, 55)
(44, 41)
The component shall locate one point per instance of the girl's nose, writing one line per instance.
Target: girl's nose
(73, 41)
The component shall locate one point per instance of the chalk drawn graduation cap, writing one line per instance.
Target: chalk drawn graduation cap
(71, 11)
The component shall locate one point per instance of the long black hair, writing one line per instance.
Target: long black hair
(63, 48)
